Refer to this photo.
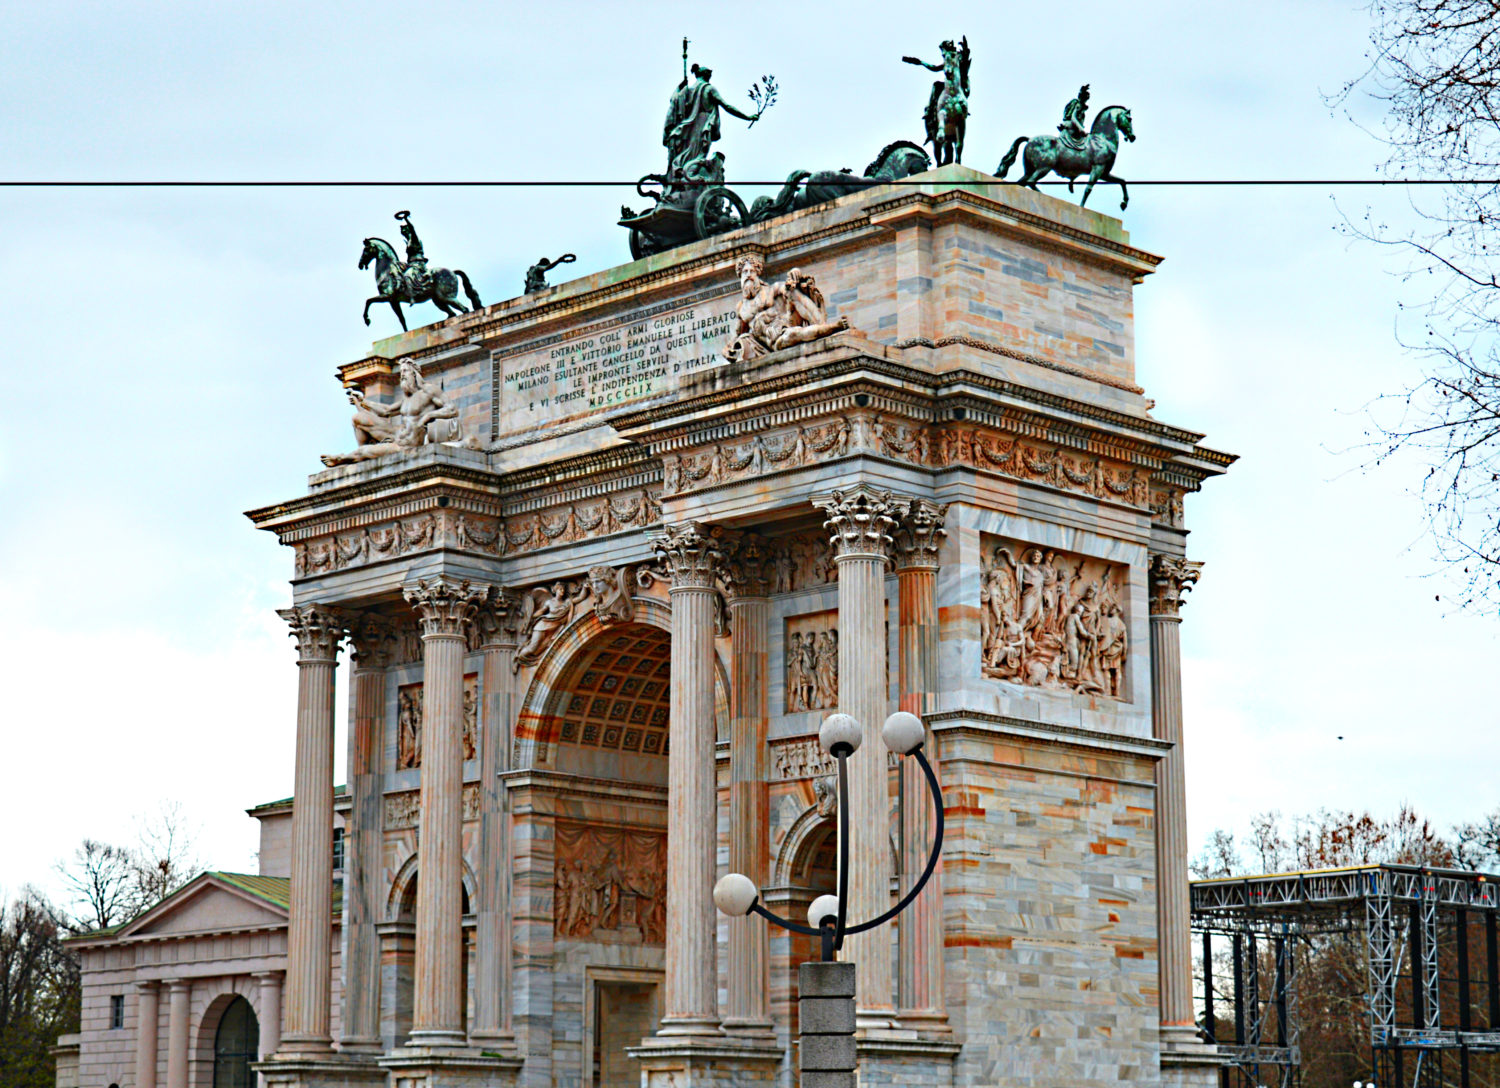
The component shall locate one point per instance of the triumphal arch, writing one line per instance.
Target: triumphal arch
(603, 557)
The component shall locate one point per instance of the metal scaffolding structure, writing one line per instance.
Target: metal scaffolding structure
(1408, 916)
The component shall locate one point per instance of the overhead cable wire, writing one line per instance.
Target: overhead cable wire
(55, 183)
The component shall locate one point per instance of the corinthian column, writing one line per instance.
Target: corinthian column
(692, 556)
(919, 968)
(747, 578)
(1171, 578)
(498, 638)
(318, 631)
(859, 522)
(372, 638)
(444, 608)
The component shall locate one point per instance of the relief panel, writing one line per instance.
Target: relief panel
(609, 884)
(1052, 619)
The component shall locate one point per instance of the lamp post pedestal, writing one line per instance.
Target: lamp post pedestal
(825, 1025)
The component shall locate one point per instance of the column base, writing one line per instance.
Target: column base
(886, 1060)
(678, 1062)
(372, 1046)
(495, 1044)
(924, 1021)
(749, 1030)
(683, 1028)
(309, 1047)
(449, 1067)
(1187, 1061)
(283, 1071)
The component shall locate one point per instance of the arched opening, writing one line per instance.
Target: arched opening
(401, 954)
(606, 718)
(236, 1044)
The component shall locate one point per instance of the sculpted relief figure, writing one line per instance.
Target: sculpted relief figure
(545, 612)
(421, 415)
(1054, 621)
(777, 316)
(812, 671)
(608, 885)
(409, 727)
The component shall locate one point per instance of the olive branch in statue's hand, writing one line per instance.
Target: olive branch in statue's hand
(763, 94)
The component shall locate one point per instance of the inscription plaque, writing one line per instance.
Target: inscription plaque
(630, 358)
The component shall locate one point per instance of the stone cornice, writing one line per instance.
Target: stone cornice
(979, 724)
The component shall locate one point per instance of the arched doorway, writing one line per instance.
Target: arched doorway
(236, 1045)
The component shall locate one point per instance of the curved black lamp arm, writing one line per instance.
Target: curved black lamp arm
(840, 930)
(932, 858)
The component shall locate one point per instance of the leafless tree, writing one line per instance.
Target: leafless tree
(102, 881)
(1435, 66)
(110, 884)
(1477, 844)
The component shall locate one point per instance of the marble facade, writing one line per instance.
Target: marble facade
(648, 551)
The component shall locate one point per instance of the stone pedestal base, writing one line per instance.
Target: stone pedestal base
(431, 1067)
(1187, 1061)
(323, 1072)
(668, 1062)
(897, 1059)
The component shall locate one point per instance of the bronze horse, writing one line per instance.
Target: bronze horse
(1096, 157)
(396, 283)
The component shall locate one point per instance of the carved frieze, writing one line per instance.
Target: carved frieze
(609, 884)
(805, 758)
(389, 538)
(403, 810)
(764, 450)
(1052, 619)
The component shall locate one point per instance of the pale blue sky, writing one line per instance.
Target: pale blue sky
(169, 355)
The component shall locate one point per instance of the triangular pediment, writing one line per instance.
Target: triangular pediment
(214, 902)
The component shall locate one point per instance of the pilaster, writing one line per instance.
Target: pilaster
(145, 1033)
(372, 640)
(498, 638)
(747, 581)
(919, 970)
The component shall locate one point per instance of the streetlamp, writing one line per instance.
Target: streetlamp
(826, 988)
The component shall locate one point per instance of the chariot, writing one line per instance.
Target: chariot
(685, 211)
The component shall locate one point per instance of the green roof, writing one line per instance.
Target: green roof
(276, 890)
(338, 791)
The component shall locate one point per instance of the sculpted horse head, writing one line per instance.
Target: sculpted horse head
(375, 249)
(1110, 120)
(899, 159)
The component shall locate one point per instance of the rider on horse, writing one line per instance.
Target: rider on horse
(1075, 113)
(949, 101)
(415, 268)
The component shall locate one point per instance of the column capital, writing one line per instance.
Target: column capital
(147, 985)
(267, 976)
(1171, 578)
(445, 607)
(919, 533)
(372, 639)
(692, 554)
(747, 567)
(179, 985)
(860, 519)
(318, 629)
(496, 618)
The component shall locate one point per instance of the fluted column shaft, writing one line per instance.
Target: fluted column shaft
(318, 631)
(443, 608)
(492, 1000)
(269, 983)
(919, 968)
(145, 1034)
(1171, 577)
(179, 991)
(372, 639)
(860, 521)
(692, 823)
(749, 795)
